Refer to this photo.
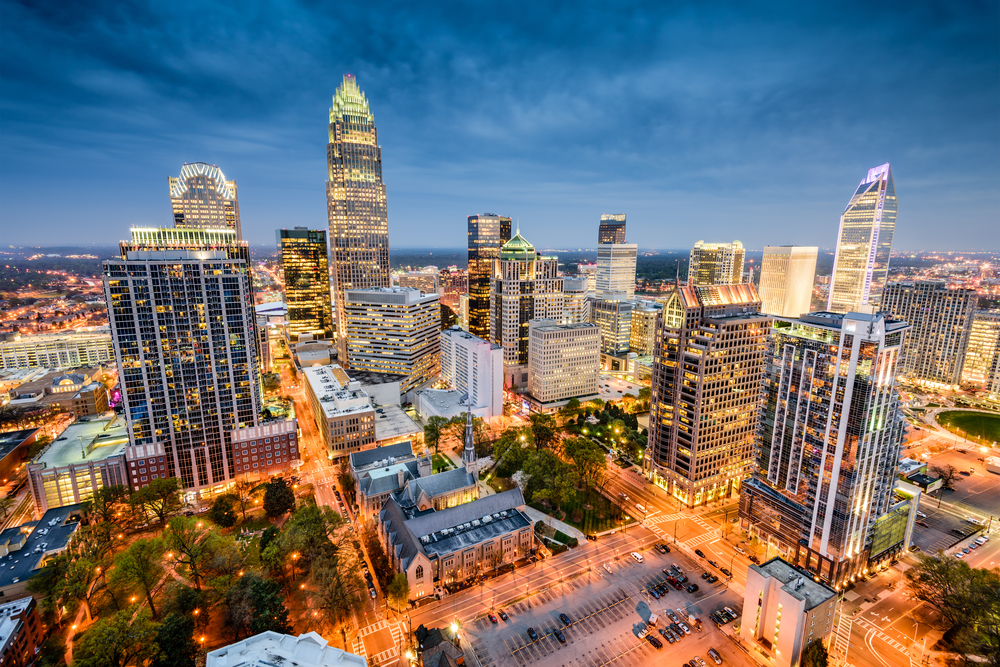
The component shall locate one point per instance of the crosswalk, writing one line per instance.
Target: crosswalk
(881, 635)
(383, 658)
(712, 534)
(843, 634)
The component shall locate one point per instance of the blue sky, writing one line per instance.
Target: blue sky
(699, 120)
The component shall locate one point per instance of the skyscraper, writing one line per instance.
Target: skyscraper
(612, 229)
(201, 197)
(454, 283)
(175, 238)
(616, 270)
(356, 202)
(828, 440)
(716, 264)
(487, 233)
(614, 319)
(307, 281)
(982, 359)
(576, 305)
(864, 242)
(786, 279)
(706, 385)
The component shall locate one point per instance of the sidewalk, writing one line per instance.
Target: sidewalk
(554, 523)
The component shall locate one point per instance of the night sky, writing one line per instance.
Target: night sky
(699, 120)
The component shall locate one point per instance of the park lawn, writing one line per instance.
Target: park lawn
(978, 425)
(441, 462)
(600, 518)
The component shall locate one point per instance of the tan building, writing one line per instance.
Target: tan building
(982, 359)
(642, 335)
(67, 349)
(201, 197)
(786, 279)
(716, 264)
(576, 305)
(79, 391)
(563, 362)
(427, 282)
(454, 283)
(342, 410)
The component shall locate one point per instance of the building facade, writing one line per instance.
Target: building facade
(265, 450)
(487, 234)
(982, 359)
(716, 264)
(563, 362)
(612, 228)
(183, 325)
(394, 330)
(307, 282)
(706, 386)
(642, 332)
(21, 633)
(356, 202)
(828, 440)
(474, 367)
(614, 318)
(67, 349)
(864, 242)
(454, 282)
(787, 274)
(576, 306)
(201, 197)
(615, 277)
(427, 282)
(342, 409)
(940, 319)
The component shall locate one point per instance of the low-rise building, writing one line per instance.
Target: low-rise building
(382, 471)
(564, 363)
(265, 450)
(79, 391)
(14, 446)
(273, 648)
(21, 632)
(342, 410)
(66, 349)
(25, 548)
(784, 609)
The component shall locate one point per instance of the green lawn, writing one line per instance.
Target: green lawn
(441, 463)
(976, 425)
(604, 514)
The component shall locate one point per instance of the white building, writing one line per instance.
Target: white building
(784, 610)
(342, 410)
(273, 648)
(616, 270)
(716, 264)
(588, 271)
(66, 349)
(642, 334)
(576, 306)
(787, 274)
(563, 362)
(474, 367)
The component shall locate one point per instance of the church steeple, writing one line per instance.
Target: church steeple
(469, 457)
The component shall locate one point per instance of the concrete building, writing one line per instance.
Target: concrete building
(24, 549)
(784, 610)
(615, 276)
(394, 330)
(705, 388)
(614, 319)
(716, 264)
(612, 228)
(79, 391)
(982, 357)
(202, 198)
(21, 633)
(427, 282)
(272, 648)
(304, 257)
(473, 367)
(563, 363)
(940, 319)
(576, 305)
(342, 409)
(824, 474)
(87, 456)
(454, 282)
(66, 349)
(264, 450)
(588, 271)
(642, 330)
(14, 446)
(487, 234)
(787, 274)
(434, 548)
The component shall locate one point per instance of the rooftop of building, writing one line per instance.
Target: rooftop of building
(30, 542)
(376, 481)
(921, 479)
(835, 321)
(552, 325)
(370, 378)
(435, 485)
(392, 422)
(271, 308)
(797, 583)
(272, 649)
(9, 621)
(459, 332)
(85, 441)
(393, 295)
(11, 440)
(380, 456)
(335, 391)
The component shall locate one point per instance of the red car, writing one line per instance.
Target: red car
(493, 617)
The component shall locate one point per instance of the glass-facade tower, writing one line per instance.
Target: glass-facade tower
(201, 197)
(612, 229)
(356, 201)
(716, 264)
(864, 243)
(487, 234)
(307, 281)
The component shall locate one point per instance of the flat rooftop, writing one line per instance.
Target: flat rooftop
(9, 441)
(392, 422)
(48, 535)
(367, 378)
(471, 533)
(330, 386)
(797, 583)
(81, 442)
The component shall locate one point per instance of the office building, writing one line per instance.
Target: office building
(526, 286)
(576, 306)
(487, 234)
(784, 610)
(303, 255)
(940, 319)
(24, 548)
(982, 359)
(21, 633)
(706, 386)
(14, 446)
(642, 332)
(864, 242)
(202, 198)
(273, 648)
(615, 277)
(265, 450)
(454, 282)
(828, 441)
(427, 282)
(394, 330)
(589, 271)
(183, 325)
(614, 318)
(716, 264)
(342, 409)
(474, 368)
(612, 229)
(158, 239)
(66, 349)
(356, 202)
(786, 279)
(563, 363)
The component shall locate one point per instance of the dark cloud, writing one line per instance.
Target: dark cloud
(700, 120)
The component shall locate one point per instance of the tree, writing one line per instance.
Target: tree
(433, 431)
(726, 529)
(814, 655)
(160, 498)
(587, 457)
(308, 531)
(110, 505)
(6, 503)
(270, 534)
(278, 498)
(175, 639)
(35, 448)
(121, 640)
(399, 591)
(543, 429)
(191, 545)
(948, 475)
(255, 605)
(337, 585)
(244, 493)
(222, 513)
(140, 565)
(346, 481)
(271, 381)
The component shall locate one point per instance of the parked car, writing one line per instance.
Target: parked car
(725, 571)
(693, 588)
(704, 575)
(701, 663)
(922, 523)
(654, 593)
(492, 617)
(671, 616)
(714, 655)
(657, 644)
(503, 615)
(712, 579)
(700, 553)
(636, 556)
(740, 551)
(560, 636)
(564, 618)
(713, 563)
(532, 635)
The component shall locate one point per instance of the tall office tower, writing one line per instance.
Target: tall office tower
(616, 270)
(526, 286)
(183, 327)
(564, 362)
(614, 319)
(828, 439)
(487, 234)
(642, 334)
(867, 225)
(395, 330)
(941, 320)
(174, 239)
(425, 281)
(716, 264)
(786, 279)
(307, 281)
(576, 306)
(474, 367)
(454, 283)
(707, 370)
(981, 358)
(355, 202)
(590, 272)
(202, 198)
(612, 229)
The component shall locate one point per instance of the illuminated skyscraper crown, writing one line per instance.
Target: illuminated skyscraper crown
(178, 186)
(350, 101)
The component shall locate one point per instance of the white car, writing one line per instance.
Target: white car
(636, 556)
(607, 567)
(641, 508)
(921, 515)
(740, 551)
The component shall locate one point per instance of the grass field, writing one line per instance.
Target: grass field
(604, 514)
(441, 463)
(975, 425)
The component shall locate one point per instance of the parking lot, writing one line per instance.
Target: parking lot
(606, 612)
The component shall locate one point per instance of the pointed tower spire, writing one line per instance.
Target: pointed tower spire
(469, 455)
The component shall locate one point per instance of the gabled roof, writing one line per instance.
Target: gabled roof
(401, 450)
(518, 248)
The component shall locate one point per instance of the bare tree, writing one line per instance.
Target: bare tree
(948, 475)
